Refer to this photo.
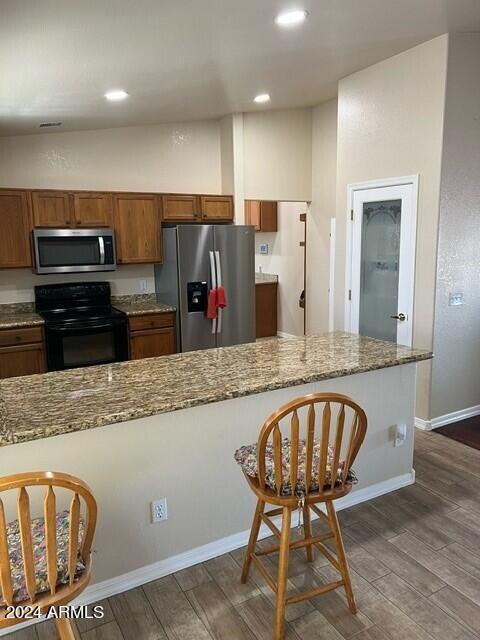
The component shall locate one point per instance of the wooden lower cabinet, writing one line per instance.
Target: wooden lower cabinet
(152, 335)
(266, 296)
(22, 360)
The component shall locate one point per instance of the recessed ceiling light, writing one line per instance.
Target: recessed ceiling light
(262, 97)
(291, 18)
(116, 95)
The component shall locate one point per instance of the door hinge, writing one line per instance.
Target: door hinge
(351, 215)
(349, 294)
(303, 217)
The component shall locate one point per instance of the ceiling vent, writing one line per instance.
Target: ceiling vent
(50, 124)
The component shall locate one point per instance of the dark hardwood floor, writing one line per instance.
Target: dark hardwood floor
(466, 431)
(414, 556)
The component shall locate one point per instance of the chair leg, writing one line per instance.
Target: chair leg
(282, 574)
(342, 559)
(65, 629)
(252, 541)
(307, 527)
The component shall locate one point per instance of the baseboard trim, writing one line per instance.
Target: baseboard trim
(137, 577)
(447, 418)
(283, 334)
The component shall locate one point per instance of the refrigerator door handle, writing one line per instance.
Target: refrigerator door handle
(219, 284)
(213, 276)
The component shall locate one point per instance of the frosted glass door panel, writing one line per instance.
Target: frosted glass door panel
(379, 275)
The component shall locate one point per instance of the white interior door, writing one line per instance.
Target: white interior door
(382, 266)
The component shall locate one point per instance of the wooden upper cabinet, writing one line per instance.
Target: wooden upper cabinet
(179, 208)
(137, 221)
(92, 209)
(15, 227)
(262, 214)
(216, 207)
(51, 209)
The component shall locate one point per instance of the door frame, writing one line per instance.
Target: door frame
(412, 181)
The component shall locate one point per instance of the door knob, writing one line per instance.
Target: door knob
(401, 317)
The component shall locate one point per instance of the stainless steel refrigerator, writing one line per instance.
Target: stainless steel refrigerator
(196, 259)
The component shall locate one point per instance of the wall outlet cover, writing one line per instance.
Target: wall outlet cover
(264, 249)
(455, 299)
(159, 510)
(400, 434)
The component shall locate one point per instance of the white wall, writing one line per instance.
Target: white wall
(322, 209)
(278, 155)
(179, 157)
(455, 377)
(285, 259)
(390, 123)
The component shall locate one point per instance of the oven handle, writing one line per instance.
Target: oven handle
(101, 245)
(95, 327)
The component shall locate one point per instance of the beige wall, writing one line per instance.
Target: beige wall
(277, 152)
(16, 285)
(187, 456)
(179, 157)
(286, 259)
(322, 209)
(390, 123)
(455, 377)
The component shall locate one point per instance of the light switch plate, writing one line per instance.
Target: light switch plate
(455, 299)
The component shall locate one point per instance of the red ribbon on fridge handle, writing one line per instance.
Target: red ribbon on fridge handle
(212, 311)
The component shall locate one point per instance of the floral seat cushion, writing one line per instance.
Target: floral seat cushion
(40, 556)
(246, 457)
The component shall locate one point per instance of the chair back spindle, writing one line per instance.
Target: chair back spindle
(79, 539)
(329, 466)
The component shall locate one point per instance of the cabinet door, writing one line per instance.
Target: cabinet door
(216, 208)
(15, 229)
(51, 209)
(92, 209)
(252, 213)
(266, 309)
(138, 228)
(22, 361)
(149, 344)
(181, 208)
(268, 216)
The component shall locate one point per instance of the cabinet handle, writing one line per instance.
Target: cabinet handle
(79, 222)
(18, 338)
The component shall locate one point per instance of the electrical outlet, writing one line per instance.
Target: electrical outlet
(143, 285)
(455, 299)
(264, 249)
(159, 510)
(400, 434)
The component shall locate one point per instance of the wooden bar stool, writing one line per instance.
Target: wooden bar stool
(45, 561)
(294, 472)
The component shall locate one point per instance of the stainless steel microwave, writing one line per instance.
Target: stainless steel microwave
(74, 250)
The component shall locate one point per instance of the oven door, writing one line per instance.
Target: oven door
(84, 344)
(73, 250)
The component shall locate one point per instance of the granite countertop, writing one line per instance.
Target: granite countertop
(13, 316)
(17, 315)
(60, 402)
(265, 278)
(137, 305)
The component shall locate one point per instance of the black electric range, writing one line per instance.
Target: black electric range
(81, 326)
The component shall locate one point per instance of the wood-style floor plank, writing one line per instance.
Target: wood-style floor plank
(458, 607)
(107, 631)
(217, 613)
(258, 614)
(192, 577)
(135, 616)
(447, 571)
(29, 633)
(421, 610)
(174, 611)
(85, 624)
(394, 622)
(224, 570)
(314, 626)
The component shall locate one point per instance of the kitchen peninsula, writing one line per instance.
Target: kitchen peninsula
(168, 426)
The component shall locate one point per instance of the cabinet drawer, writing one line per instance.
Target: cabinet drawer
(151, 344)
(151, 321)
(9, 337)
